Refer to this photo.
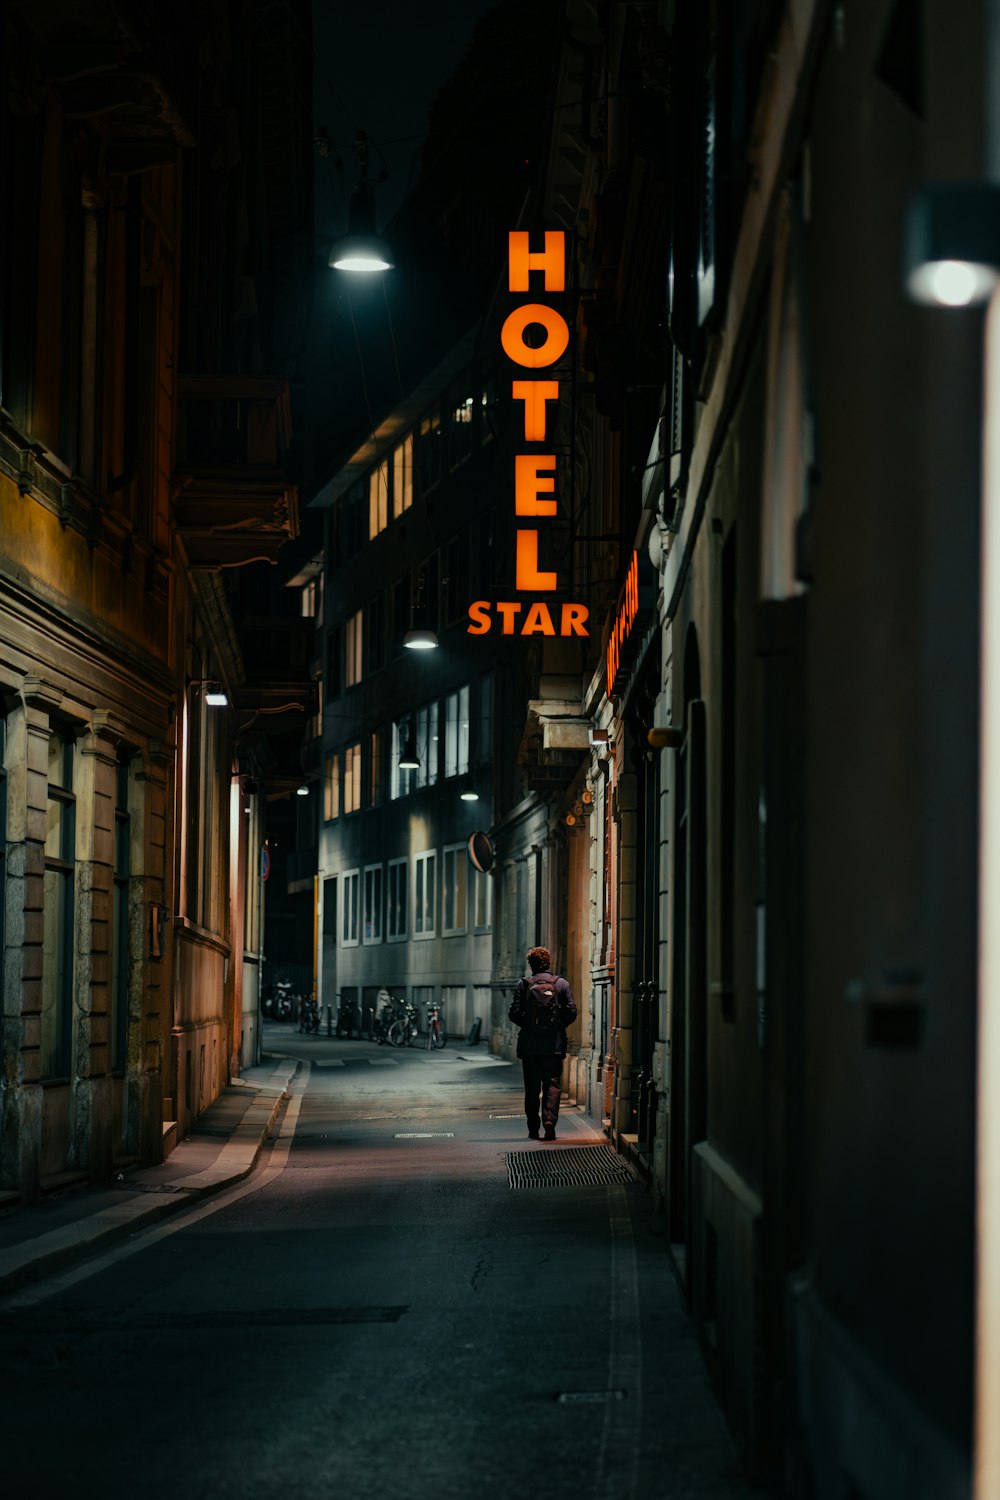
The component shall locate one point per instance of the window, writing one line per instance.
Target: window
(352, 778)
(454, 862)
(482, 900)
(428, 745)
(456, 733)
(331, 789)
(401, 783)
(333, 675)
(119, 920)
(462, 426)
(395, 917)
(376, 634)
(424, 893)
(353, 636)
(350, 885)
(316, 724)
(375, 768)
(378, 500)
(402, 476)
(57, 927)
(308, 605)
(372, 930)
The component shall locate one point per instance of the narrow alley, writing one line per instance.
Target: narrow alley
(406, 1298)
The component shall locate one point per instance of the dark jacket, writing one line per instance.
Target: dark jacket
(547, 1046)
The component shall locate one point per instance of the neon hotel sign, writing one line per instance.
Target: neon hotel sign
(534, 472)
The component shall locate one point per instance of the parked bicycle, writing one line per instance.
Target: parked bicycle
(437, 1034)
(309, 1015)
(404, 1030)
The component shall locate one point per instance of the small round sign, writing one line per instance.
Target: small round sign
(481, 852)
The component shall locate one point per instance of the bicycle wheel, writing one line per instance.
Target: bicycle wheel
(397, 1034)
(440, 1035)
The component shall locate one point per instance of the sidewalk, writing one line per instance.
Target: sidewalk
(222, 1147)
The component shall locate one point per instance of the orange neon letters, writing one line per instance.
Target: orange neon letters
(529, 484)
(556, 335)
(526, 574)
(521, 261)
(535, 394)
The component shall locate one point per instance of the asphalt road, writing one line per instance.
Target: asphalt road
(387, 1307)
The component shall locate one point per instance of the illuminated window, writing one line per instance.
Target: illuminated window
(350, 890)
(316, 723)
(398, 892)
(372, 928)
(456, 733)
(401, 782)
(309, 600)
(424, 893)
(430, 451)
(428, 744)
(378, 500)
(353, 639)
(402, 476)
(352, 778)
(454, 863)
(331, 788)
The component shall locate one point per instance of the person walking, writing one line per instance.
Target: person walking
(542, 1007)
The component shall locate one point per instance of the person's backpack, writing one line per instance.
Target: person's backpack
(542, 1007)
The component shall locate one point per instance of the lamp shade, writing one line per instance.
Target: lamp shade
(409, 760)
(362, 248)
(951, 247)
(420, 640)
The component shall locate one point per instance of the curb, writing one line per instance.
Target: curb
(44, 1253)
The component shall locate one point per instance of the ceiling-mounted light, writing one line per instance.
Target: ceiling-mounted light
(409, 760)
(952, 243)
(301, 791)
(420, 639)
(468, 792)
(362, 248)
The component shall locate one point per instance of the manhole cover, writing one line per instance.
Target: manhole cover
(424, 1135)
(578, 1166)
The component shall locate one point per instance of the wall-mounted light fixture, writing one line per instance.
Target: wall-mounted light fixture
(302, 791)
(214, 695)
(951, 244)
(467, 791)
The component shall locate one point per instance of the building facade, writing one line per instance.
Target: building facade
(141, 459)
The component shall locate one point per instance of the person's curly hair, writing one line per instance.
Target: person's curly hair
(540, 960)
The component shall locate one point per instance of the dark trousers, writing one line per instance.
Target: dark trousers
(542, 1077)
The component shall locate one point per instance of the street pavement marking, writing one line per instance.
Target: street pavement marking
(424, 1135)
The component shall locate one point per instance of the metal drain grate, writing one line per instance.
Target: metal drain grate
(576, 1166)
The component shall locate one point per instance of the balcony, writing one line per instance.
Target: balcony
(232, 502)
(277, 681)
